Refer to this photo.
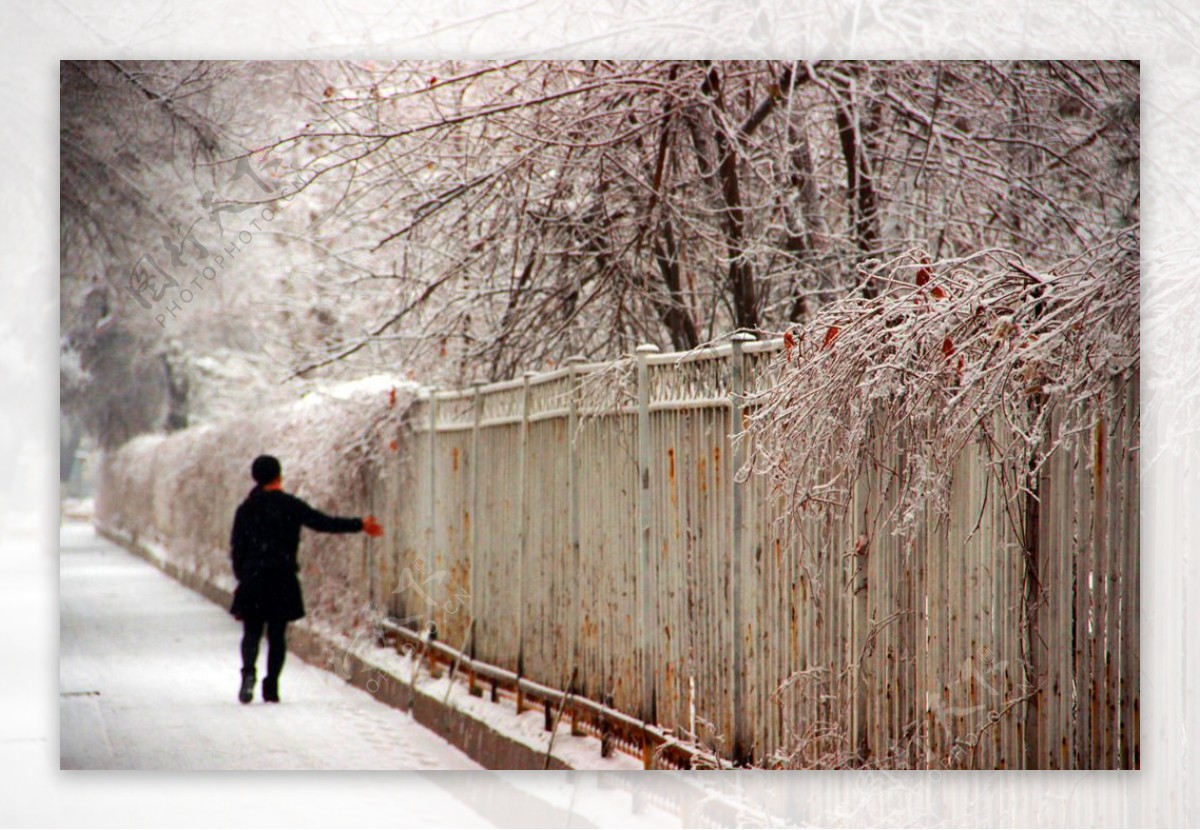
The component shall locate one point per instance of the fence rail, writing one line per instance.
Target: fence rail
(586, 529)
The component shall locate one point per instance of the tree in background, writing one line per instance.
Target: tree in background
(142, 182)
(467, 220)
(123, 128)
(528, 210)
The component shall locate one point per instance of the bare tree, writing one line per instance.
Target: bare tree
(467, 220)
(130, 137)
(537, 208)
(141, 186)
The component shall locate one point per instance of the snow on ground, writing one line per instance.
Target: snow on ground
(148, 677)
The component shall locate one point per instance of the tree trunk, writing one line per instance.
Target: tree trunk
(858, 128)
(806, 242)
(674, 311)
(733, 215)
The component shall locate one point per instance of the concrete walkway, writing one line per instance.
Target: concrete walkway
(148, 676)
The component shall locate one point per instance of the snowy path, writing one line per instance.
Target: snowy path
(148, 675)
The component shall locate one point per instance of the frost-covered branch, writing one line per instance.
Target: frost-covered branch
(980, 349)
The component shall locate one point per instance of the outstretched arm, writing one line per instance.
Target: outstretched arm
(312, 518)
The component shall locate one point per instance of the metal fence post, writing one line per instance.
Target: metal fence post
(372, 494)
(647, 629)
(573, 496)
(738, 554)
(431, 550)
(522, 500)
(473, 549)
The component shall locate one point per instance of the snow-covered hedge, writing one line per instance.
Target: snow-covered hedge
(337, 446)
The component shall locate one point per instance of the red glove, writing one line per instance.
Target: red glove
(372, 527)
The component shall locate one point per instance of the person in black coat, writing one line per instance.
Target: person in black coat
(263, 544)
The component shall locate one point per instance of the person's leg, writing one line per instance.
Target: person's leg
(252, 630)
(276, 652)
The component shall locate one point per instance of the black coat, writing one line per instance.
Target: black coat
(266, 534)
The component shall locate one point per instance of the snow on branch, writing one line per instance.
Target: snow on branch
(977, 349)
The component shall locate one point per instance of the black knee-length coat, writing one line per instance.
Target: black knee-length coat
(266, 535)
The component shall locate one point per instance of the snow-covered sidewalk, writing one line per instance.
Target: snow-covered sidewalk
(148, 677)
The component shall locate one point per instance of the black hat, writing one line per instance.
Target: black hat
(265, 469)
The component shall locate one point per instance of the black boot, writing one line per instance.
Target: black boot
(270, 689)
(246, 694)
